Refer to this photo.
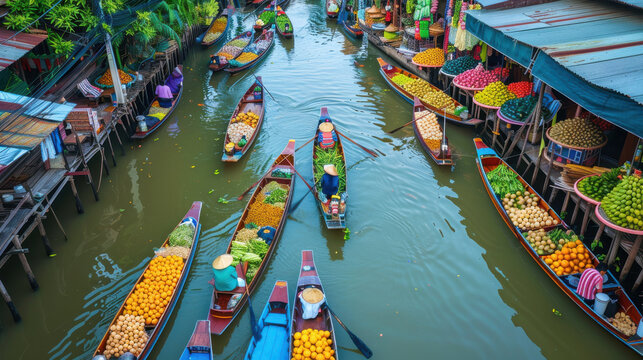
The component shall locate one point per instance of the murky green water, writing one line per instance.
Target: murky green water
(430, 271)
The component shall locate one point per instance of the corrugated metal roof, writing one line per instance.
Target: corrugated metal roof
(17, 47)
(635, 3)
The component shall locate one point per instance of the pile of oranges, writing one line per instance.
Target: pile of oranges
(432, 57)
(312, 345)
(151, 296)
(573, 258)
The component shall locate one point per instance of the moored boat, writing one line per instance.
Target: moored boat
(274, 327)
(488, 160)
(152, 322)
(322, 320)
(332, 8)
(259, 47)
(156, 115)
(200, 345)
(348, 22)
(218, 34)
(282, 17)
(280, 176)
(439, 153)
(249, 111)
(389, 71)
(333, 209)
(236, 46)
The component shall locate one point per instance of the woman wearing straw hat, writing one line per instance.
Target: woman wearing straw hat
(225, 275)
(327, 137)
(330, 181)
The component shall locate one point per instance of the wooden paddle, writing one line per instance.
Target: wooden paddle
(253, 320)
(264, 86)
(408, 123)
(361, 346)
(370, 152)
(307, 142)
(294, 207)
(240, 197)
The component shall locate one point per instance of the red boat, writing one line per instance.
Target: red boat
(440, 156)
(220, 315)
(332, 14)
(246, 103)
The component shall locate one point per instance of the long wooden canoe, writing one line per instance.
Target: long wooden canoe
(246, 103)
(154, 331)
(440, 157)
(248, 35)
(332, 14)
(285, 33)
(266, 36)
(220, 315)
(309, 278)
(350, 28)
(200, 345)
(138, 134)
(487, 160)
(224, 15)
(340, 221)
(388, 71)
(274, 327)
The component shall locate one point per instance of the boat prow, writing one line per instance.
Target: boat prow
(273, 326)
(200, 345)
(442, 154)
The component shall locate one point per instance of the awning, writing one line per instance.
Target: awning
(590, 51)
(41, 109)
(17, 47)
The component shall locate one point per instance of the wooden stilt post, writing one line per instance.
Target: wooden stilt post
(10, 305)
(120, 143)
(43, 235)
(25, 265)
(630, 258)
(86, 167)
(111, 148)
(103, 159)
(79, 205)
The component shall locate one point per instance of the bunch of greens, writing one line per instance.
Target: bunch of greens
(276, 196)
(253, 252)
(182, 235)
(504, 181)
(258, 246)
(329, 156)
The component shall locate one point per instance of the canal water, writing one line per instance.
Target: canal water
(430, 269)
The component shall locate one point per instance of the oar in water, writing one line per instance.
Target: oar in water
(253, 320)
(240, 197)
(361, 346)
(294, 207)
(371, 152)
(307, 142)
(264, 86)
(408, 123)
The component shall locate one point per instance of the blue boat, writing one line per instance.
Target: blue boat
(345, 18)
(200, 345)
(274, 327)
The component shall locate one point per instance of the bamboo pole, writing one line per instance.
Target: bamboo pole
(25, 264)
(43, 235)
(9, 302)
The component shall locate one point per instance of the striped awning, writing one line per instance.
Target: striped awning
(17, 47)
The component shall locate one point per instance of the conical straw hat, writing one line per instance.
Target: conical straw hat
(222, 262)
(312, 295)
(330, 169)
(326, 127)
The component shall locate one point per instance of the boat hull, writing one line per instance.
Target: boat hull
(144, 134)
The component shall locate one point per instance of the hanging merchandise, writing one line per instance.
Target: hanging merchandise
(483, 52)
(434, 9)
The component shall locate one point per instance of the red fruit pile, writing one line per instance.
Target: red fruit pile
(476, 78)
(500, 73)
(521, 88)
(602, 124)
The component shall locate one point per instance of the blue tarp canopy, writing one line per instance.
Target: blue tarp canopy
(41, 109)
(590, 51)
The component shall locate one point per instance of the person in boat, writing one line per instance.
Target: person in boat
(330, 181)
(225, 275)
(327, 135)
(591, 282)
(175, 80)
(164, 96)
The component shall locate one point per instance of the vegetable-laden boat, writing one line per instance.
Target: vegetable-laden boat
(200, 345)
(282, 3)
(487, 161)
(349, 21)
(284, 25)
(253, 54)
(265, 19)
(305, 325)
(156, 115)
(425, 120)
(245, 123)
(389, 71)
(334, 208)
(217, 30)
(143, 315)
(274, 327)
(230, 50)
(332, 8)
(263, 218)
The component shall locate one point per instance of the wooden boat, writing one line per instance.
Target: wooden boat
(248, 35)
(246, 103)
(282, 3)
(274, 326)
(138, 134)
(338, 222)
(440, 157)
(388, 71)
(224, 14)
(285, 33)
(220, 315)
(350, 27)
(266, 36)
(260, 28)
(200, 345)
(308, 278)
(332, 14)
(487, 160)
(154, 331)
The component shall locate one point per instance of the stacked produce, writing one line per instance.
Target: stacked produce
(402, 79)
(603, 124)
(521, 88)
(266, 17)
(152, 295)
(546, 243)
(263, 214)
(573, 258)
(233, 48)
(248, 118)
(596, 187)
(246, 57)
(577, 132)
(494, 94)
(524, 212)
(430, 57)
(216, 30)
(518, 109)
(312, 344)
(329, 156)
(476, 78)
(106, 79)
(430, 95)
(126, 335)
(182, 235)
(181, 251)
(572, 172)
(624, 204)
(500, 73)
(623, 323)
(282, 20)
(253, 251)
(429, 128)
(504, 181)
(459, 65)
(238, 130)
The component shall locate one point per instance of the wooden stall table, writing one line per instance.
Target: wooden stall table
(488, 108)
(602, 217)
(431, 68)
(591, 205)
(469, 92)
(446, 80)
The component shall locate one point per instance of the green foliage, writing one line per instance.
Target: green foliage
(59, 45)
(64, 17)
(112, 6)
(87, 20)
(18, 21)
(107, 28)
(210, 8)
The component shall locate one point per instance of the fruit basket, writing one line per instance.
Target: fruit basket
(567, 154)
(129, 84)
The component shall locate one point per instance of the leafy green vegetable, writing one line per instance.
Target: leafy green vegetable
(329, 156)
(182, 235)
(251, 258)
(258, 247)
(277, 195)
(504, 181)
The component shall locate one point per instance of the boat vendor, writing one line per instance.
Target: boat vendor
(311, 301)
(225, 275)
(327, 136)
(164, 96)
(175, 80)
(591, 282)
(330, 181)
